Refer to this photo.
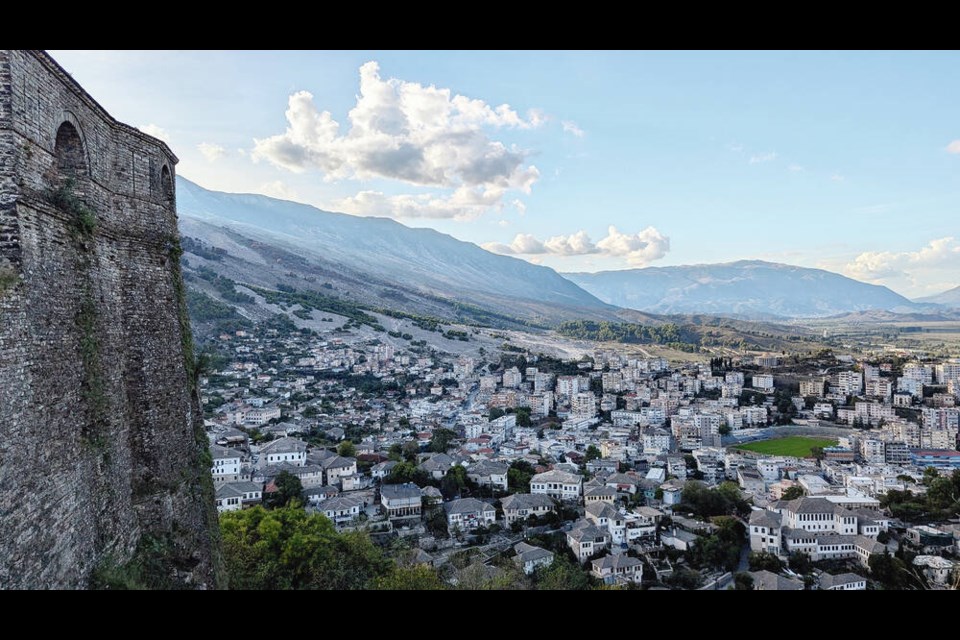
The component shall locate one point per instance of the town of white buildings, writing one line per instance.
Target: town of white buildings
(602, 448)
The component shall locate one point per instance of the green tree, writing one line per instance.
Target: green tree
(892, 573)
(685, 578)
(562, 575)
(720, 550)
(592, 453)
(743, 582)
(518, 476)
(347, 449)
(419, 577)
(725, 430)
(286, 548)
(407, 472)
(395, 452)
(410, 450)
(762, 560)
(523, 417)
(289, 488)
(453, 482)
(929, 475)
(800, 562)
(497, 412)
(793, 493)
(441, 440)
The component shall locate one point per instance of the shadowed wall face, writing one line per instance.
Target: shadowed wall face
(101, 446)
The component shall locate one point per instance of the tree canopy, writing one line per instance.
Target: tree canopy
(289, 488)
(286, 548)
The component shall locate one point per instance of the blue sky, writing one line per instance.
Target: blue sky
(599, 160)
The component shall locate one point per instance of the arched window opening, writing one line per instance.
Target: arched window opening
(70, 162)
(166, 185)
(71, 156)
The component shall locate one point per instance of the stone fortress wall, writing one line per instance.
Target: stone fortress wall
(101, 445)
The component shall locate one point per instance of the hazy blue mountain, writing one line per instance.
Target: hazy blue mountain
(949, 298)
(748, 288)
(380, 249)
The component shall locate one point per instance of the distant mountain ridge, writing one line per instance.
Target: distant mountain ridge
(746, 288)
(949, 298)
(385, 252)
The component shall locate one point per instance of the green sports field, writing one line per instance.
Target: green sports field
(796, 446)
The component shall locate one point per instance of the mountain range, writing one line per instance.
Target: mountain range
(747, 288)
(949, 298)
(376, 261)
(382, 263)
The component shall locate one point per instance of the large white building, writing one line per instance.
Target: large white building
(401, 500)
(822, 528)
(584, 403)
(290, 450)
(226, 464)
(850, 383)
(557, 484)
(763, 382)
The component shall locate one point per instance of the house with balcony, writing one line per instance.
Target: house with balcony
(467, 514)
(557, 484)
(401, 500)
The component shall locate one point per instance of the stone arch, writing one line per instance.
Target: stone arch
(166, 186)
(70, 152)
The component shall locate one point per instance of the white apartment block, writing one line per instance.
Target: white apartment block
(812, 387)
(850, 383)
(584, 403)
(763, 382)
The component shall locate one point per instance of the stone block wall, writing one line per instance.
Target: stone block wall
(101, 442)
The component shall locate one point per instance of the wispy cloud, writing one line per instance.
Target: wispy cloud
(837, 177)
(212, 152)
(278, 189)
(954, 147)
(760, 158)
(795, 168)
(569, 126)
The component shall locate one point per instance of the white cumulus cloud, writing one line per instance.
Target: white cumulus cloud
(155, 131)
(639, 249)
(576, 244)
(212, 152)
(420, 135)
(920, 271)
(954, 147)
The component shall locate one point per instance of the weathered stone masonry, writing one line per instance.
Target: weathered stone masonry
(99, 439)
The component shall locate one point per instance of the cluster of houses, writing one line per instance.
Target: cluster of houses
(617, 439)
